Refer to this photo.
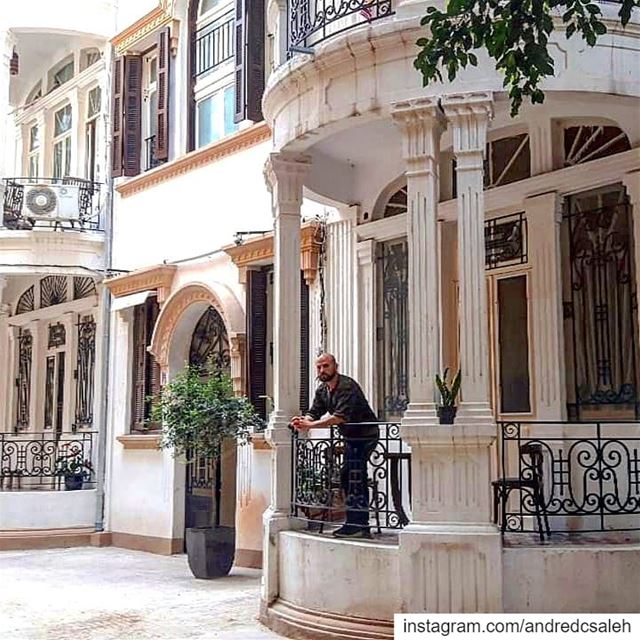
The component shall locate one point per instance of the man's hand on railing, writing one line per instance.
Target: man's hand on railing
(301, 423)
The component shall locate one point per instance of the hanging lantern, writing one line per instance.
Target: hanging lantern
(14, 65)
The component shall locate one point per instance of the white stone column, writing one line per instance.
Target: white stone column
(544, 216)
(285, 176)
(450, 555)
(421, 123)
(340, 292)
(366, 309)
(469, 116)
(6, 377)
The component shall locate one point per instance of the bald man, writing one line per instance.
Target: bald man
(339, 401)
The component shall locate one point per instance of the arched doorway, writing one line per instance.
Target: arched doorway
(210, 486)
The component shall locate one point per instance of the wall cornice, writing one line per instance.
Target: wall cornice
(195, 159)
(260, 250)
(159, 278)
(128, 39)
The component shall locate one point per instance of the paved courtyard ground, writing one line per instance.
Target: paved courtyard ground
(104, 594)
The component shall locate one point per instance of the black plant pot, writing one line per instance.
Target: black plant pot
(73, 483)
(447, 414)
(210, 551)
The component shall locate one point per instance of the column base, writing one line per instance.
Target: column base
(474, 413)
(278, 431)
(450, 568)
(421, 414)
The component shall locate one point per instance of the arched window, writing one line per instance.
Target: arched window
(210, 343)
(204, 6)
(34, 94)
(590, 142)
(61, 73)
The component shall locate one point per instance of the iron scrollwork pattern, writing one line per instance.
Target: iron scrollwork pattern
(591, 480)
(23, 381)
(49, 391)
(393, 332)
(34, 463)
(317, 466)
(57, 335)
(602, 307)
(86, 363)
(27, 301)
(83, 287)
(210, 343)
(505, 241)
(312, 21)
(53, 290)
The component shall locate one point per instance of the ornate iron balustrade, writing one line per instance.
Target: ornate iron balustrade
(214, 44)
(312, 21)
(588, 474)
(505, 241)
(52, 203)
(34, 461)
(151, 162)
(317, 465)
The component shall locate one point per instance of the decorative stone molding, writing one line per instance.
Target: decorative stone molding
(259, 251)
(238, 346)
(284, 175)
(159, 278)
(140, 441)
(128, 39)
(213, 152)
(217, 295)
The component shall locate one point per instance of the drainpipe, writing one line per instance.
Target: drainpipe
(106, 314)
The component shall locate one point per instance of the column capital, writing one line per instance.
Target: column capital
(421, 122)
(284, 175)
(469, 113)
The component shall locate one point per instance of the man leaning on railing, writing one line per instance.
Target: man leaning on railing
(342, 399)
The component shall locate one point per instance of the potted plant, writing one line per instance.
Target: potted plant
(448, 393)
(198, 411)
(74, 470)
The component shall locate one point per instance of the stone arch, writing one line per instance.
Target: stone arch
(185, 306)
(393, 188)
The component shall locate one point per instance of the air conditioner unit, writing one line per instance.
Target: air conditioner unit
(51, 201)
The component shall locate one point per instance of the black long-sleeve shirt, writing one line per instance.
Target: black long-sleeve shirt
(346, 401)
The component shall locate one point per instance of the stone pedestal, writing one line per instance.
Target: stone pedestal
(451, 553)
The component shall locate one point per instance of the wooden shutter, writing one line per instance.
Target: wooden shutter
(250, 63)
(152, 368)
(116, 117)
(139, 373)
(257, 339)
(132, 135)
(164, 63)
(304, 344)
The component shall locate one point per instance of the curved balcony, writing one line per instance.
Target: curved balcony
(51, 221)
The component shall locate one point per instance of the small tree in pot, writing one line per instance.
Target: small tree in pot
(447, 409)
(199, 411)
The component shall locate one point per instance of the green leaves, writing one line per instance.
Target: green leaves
(513, 33)
(448, 394)
(199, 410)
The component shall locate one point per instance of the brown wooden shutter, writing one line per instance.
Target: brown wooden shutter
(132, 133)
(139, 373)
(250, 63)
(256, 292)
(304, 344)
(152, 368)
(116, 117)
(164, 64)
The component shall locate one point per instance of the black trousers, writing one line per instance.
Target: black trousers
(354, 480)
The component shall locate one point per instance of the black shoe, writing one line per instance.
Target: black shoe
(349, 531)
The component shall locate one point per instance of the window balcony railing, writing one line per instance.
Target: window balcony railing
(213, 45)
(151, 162)
(323, 479)
(51, 203)
(568, 477)
(312, 21)
(46, 460)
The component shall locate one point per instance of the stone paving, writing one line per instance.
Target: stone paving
(108, 594)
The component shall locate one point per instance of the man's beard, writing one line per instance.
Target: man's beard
(325, 377)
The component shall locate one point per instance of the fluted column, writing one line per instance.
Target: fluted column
(6, 378)
(365, 341)
(469, 116)
(285, 175)
(421, 124)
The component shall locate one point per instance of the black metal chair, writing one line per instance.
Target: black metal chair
(531, 481)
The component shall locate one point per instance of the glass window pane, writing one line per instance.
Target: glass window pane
(34, 138)
(67, 156)
(62, 120)
(229, 111)
(57, 159)
(513, 344)
(63, 75)
(33, 165)
(207, 5)
(95, 98)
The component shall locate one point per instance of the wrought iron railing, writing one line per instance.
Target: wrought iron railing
(320, 478)
(214, 44)
(505, 241)
(575, 477)
(312, 21)
(45, 460)
(53, 203)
